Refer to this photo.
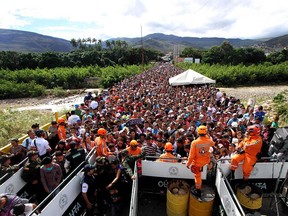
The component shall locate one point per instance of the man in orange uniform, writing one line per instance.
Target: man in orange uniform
(199, 156)
(168, 154)
(133, 149)
(61, 131)
(100, 143)
(247, 150)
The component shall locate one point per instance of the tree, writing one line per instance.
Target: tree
(191, 52)
(108, 44)
(73, 43)
(99, 45)
(228, 53)
(213, 55)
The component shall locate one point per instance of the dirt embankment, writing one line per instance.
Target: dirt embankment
(261, 93)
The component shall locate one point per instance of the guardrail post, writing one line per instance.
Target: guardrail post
(56, 116)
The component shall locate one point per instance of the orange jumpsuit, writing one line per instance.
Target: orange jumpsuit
(252, 146)
(61, 131)
(167, 155)
(199, 156)
(101, 147)
(131, 151)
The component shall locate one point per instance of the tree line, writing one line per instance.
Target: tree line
(34, 82)
(226, 54)
(242, 75)
(31, 74)
(87, 52)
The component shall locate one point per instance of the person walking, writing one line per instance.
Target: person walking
(89, 189)
(199, 156)
(100, 143)
(31, 175)
(51, 174)
(74, 158)
(41, 145)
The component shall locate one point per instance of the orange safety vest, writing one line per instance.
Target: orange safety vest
(61, 131)
(167, 155)
(137, 151)
(199, 154)
(101, 147)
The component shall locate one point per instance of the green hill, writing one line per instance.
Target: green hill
(23, 41)
(166, 43)
(278, 41)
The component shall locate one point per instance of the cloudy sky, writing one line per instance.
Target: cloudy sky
(104, 19)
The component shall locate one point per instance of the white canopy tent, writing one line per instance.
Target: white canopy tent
(189, 77)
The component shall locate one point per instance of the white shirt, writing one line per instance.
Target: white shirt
(42, 145)
(84, 187)
(73, 119)
(26, 144)
(94, 104)
(219, 95)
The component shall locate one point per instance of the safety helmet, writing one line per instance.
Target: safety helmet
(101, 131)
(60, 120)
(168, 146)
(202, 130)
(253, 130)
(133, 143)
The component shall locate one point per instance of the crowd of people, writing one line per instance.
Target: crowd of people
(140, 116)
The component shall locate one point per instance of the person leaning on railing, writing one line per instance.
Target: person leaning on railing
(5, 167)
(168, 156)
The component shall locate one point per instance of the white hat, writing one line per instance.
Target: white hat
(149, 129)
(234, 124)
(235, 140)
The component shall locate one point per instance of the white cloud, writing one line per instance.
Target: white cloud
(111, 18)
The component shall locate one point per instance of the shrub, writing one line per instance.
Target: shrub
(10, 89)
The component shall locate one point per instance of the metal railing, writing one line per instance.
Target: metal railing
(230, 192)
(4, 178)
(51, 195)
(134, 194)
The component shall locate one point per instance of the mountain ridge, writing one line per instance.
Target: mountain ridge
(25, 41)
